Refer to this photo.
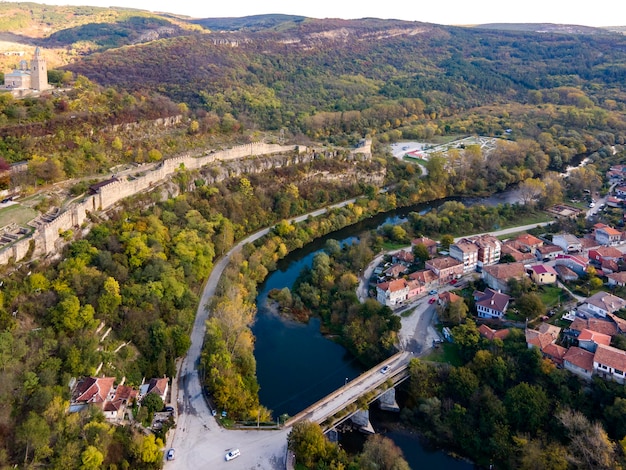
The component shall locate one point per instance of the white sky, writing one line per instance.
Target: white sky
(458, 12)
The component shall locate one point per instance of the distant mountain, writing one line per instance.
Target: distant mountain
(545, 28)
(249, 23)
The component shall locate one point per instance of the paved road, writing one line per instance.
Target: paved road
(199, 441)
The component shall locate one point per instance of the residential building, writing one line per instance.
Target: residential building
(489, 250)
(415, 289)
(431, 245)
(160, 386)
(610, 363)
(565, 274)
(93, 391)
(555, 353)
(568, 242)
(548, 252)
(498, 275)
(608, 236)
(519, 256)
(124, 396)
(600, 325)
(543, 274)
(446, 298)
(466, 252)
(613, 201)
(589, 339)
(545, 334)
(529, 243)
(393, 292)
(492, 334)
(446, 268)
(491, 304)
(578, 264)
(426, 278)
(395, 270)
(603, 303)
(620, 191)
(617, 279)
(579, 362)
(605, 253)
(403, 257)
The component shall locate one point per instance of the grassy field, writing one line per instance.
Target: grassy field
(17, 214)
(446, 352)
(552, 295)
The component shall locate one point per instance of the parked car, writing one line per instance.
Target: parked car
(170, 454)
(385, 369)
(168, 408)
(433, 292)
(232, 454)
(453, 282)
(592, 204)
(432, 300)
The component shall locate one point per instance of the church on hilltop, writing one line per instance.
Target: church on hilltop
(28, 77)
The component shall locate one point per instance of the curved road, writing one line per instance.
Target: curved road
(199, 441)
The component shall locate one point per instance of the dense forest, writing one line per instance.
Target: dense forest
(134, 87)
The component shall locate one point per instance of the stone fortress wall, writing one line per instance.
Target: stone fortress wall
(47, 236)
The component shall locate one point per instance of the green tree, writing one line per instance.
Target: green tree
(34, 434)
(530, 305)
(527, 407)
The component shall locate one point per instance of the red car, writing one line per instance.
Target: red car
(453, 282)
(432, 300)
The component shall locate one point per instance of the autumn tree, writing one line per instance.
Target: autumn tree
(380, 453)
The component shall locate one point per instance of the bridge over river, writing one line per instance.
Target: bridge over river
(345, 402)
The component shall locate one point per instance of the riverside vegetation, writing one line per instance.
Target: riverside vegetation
(141, 266)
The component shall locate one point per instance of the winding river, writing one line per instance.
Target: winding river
(296, 365)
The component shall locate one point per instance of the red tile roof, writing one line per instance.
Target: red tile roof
(543, 269)
(594, 324)
(580, 358)
(492, 334)
(425, 276)
(610, 356)
(93, 390)
(506, 271)
(554, 352)
(598, 338)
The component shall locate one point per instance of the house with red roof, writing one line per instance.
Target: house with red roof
(403, 257)
(542, 274)
(492, 334)
(608, 236)
(393, 292)
(395, 270)
(610, 363)
(123, 397)
(446, 268)
(93, 391)
(579, 361)
(605, 253)
(617, 279)
(555, 353)
(589, 340)
(498, 275)
(431, 245)
(548, 252)
(528, 242)
(160, 386)
(426, 278)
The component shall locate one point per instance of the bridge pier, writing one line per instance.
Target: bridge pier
(362, 419)
(387, 401)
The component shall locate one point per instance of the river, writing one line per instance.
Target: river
(296, 365)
